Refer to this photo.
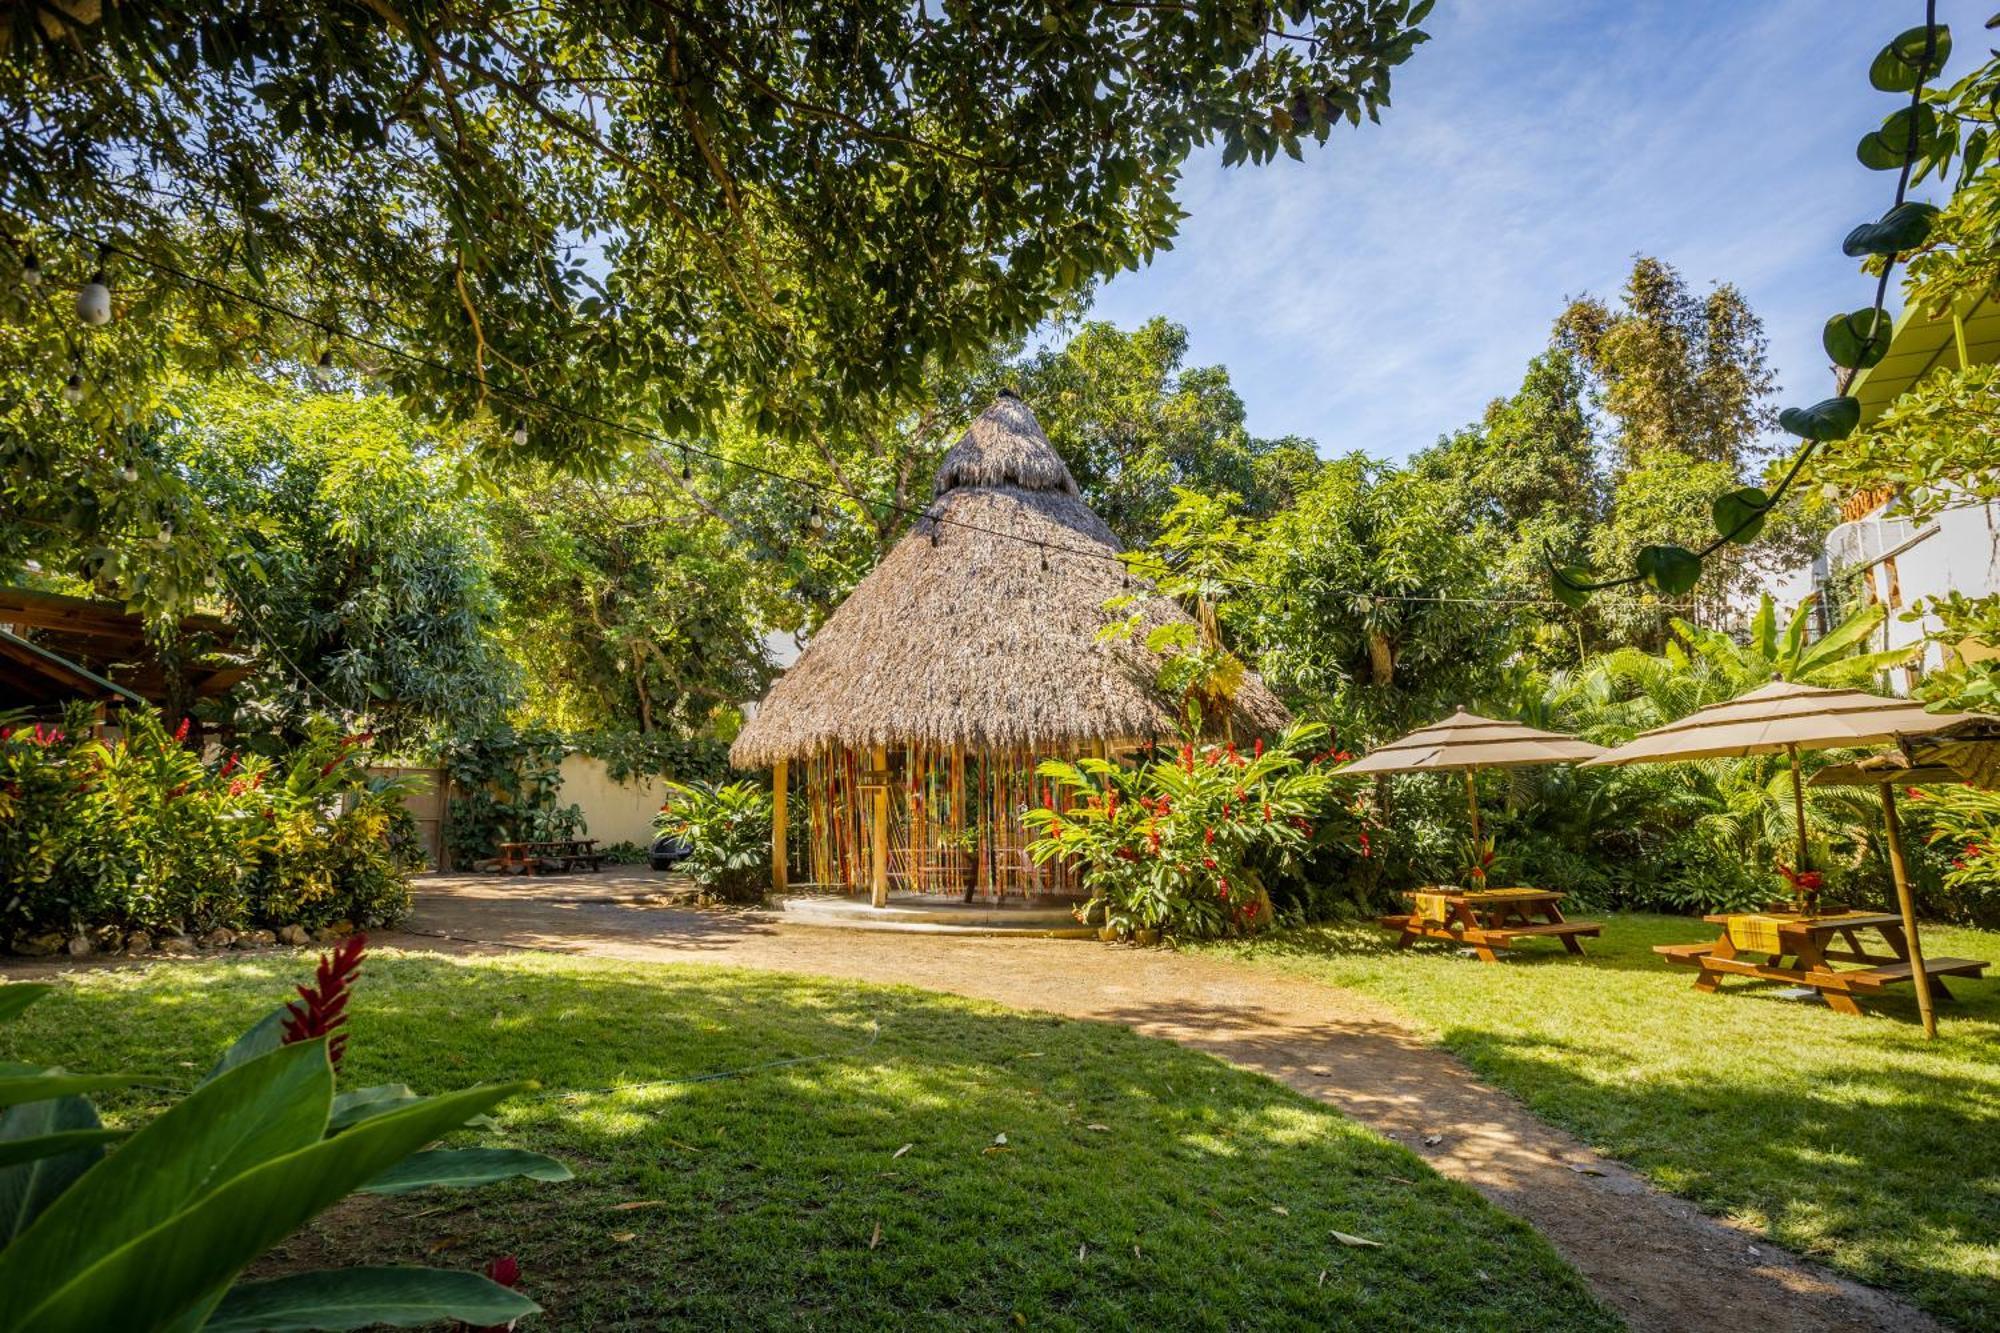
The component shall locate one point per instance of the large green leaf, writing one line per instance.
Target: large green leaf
(1857, 341)
(353, 1107)
(41, 1087)
(1803, 659)
(1888, 148)
(464, 1168)
(17, 996)
(1832, 419)
(1900, 66)
(29, 1187)
(267, 1034)
(187, 1256)
(1672, 570)
(16, 1151)
(255, 1112)
(344, 1298)
(1739, 514)
(1904, 227)
(1764, 628)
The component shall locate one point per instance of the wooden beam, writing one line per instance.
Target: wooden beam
(878, 873)
(779, 777)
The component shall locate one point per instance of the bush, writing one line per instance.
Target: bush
(1191, 844)
(728, 828)
(139, 832)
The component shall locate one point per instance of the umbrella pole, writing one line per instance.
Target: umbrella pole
(1472, 808)
(1905, 903)
(1798, 803)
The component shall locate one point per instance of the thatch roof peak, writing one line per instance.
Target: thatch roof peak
(1004, 447)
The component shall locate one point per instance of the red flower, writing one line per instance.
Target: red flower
(1267, 812)
(1154, 836)
(506, 1270)
(1258, 748)
(1055, 832)
(1208, 863)
(181, 732)
(228, 765)
(237, 787)
(1913, 793)
(328, 767)
(1364, 842)
(1187, 756)
(1208, 838)
(325, 1007)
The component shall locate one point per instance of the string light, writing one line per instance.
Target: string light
(73, 389)
(521, 434)
(93, 302)
(323, 371)
(545, 407)
(31, 270)
(128, 473)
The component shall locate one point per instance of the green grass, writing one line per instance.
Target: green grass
(1207, 1199)
(1855, 1141)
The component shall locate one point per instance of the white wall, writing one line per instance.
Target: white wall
(612, 811)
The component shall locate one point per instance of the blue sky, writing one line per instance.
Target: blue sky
(1380, 292)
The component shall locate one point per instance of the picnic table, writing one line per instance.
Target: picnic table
(1486, 920)
(553, 856)
(1814, 942)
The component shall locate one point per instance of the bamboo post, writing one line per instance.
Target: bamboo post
(1906, 903)
(1798, 803)
(778, 825)
(878, 877)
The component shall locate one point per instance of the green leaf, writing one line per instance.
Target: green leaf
(18, 1088)
(1826, 421)
(29, 1187)
(1900, 66)
(1888, 148)
(257, 1111)
(1857, 341)
(353, 1107)
(1904, 227)
(267, 1034)
(15, 998)
(1570, 585)
(15, 1151)
(180, 1261)
(465, 1168)
(1673, 570)
(1739, 515)
(345, 1298)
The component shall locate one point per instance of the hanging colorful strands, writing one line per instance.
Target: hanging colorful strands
(955, 825)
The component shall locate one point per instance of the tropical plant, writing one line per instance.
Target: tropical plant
(728, 829)
(1186, 843)
(151, 1229)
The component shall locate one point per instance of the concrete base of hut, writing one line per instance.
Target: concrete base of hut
(929, 915)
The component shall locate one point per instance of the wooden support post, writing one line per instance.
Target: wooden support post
(878, 876)
(779, 777)
(1907, 905)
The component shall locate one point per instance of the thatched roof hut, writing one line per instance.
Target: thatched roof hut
(962, 636)
(921, 708)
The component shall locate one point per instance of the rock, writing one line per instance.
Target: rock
(108, 939)
(79, 946)
(293, 935)
(334, 933)
(176, 944)
(138, 942)
(219, 938)
(256, 939)
(45, 945)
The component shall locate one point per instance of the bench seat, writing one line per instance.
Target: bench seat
(1501, 934)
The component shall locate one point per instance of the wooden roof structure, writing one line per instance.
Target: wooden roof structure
(56, 649)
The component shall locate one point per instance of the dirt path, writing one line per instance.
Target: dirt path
(1655, 1259)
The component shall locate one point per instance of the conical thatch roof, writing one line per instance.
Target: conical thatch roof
(970, 641)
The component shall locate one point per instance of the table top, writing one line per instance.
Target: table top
(1822, 921)
(1478, 896)
(553, 842)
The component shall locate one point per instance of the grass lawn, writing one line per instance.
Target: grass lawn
(1853, 1140)
(1138, 1185)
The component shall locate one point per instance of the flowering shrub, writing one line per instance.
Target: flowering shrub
(1186, 842)
(141, 832)
(1965, 829)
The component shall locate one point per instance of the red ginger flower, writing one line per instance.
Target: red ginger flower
(1208, 838)
(506, 1271)
(181, 732)
(1258, 748)
(325, 1002)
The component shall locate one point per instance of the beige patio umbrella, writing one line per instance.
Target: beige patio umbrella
(1467, 742)
(1788, 717)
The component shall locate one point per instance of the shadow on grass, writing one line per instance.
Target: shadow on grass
(756, 1150)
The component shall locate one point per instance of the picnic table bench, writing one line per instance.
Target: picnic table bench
(1814, 943)
(1486, 920)
(553, 856)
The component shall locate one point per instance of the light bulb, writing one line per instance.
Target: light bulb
(323, 372)
(93, 303)
(73, 389)
(166, 533)
(521, 433)
(31, 270)
(128, 473)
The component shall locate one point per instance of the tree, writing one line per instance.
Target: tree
(357, 561)
(1372, 599)
(1134, 422)
(1679, 375)
(648, 214)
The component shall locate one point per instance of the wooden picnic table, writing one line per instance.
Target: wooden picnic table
(1814, 943)
(1487, 920)
(554, 855)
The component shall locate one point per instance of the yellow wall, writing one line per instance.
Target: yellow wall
(612, 811)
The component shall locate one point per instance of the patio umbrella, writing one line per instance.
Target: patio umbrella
(1789, 717)
(1467, 742)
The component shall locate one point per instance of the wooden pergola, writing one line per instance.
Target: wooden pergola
(57, 649)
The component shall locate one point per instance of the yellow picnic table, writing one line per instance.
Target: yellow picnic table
(1486, 920)
(1814, 942)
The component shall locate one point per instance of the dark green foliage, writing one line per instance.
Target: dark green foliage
(728, 826)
